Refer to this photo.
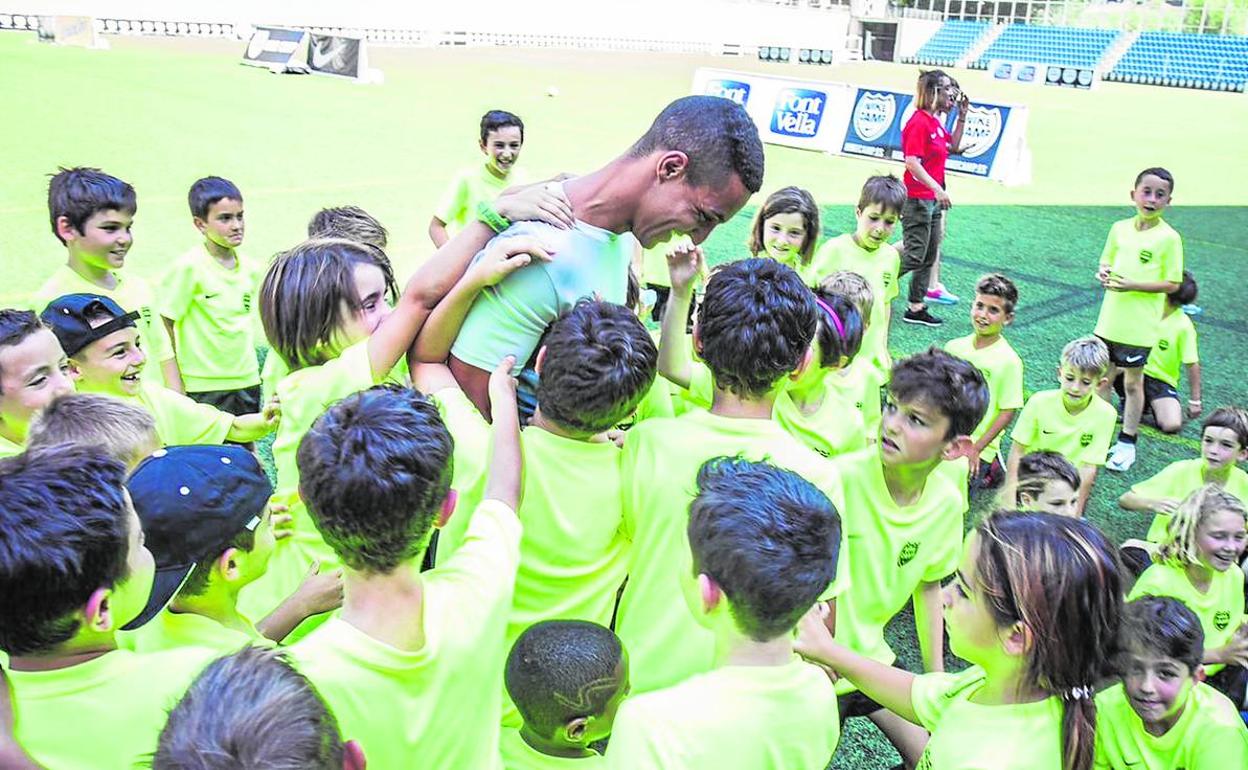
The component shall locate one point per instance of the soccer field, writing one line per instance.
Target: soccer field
(162, 113)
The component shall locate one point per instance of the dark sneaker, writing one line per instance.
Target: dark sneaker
(921, 317)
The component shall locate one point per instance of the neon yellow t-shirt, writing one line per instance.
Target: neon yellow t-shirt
(401, 705)
(968, 736)
(834, 428)
(881, 269)
(458, 205)
(181, 420)
(1155, 254)
(660, 464)
(657, 402)
(860, 383)
(305, 395)
(471, 458)
(1003, 371)
(654, 260)
(9, 449)
(893, 549)
(215, 318)
(1209, 735)
(1178, 480)
(170, 630)
(518, 755)
(1082, 438)
(131, 293)
(1220, 609)
(731, 718)
(1175, 348)
(104, 714)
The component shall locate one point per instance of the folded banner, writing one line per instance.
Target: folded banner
(273, 47)
(867, 122)
(337, 55)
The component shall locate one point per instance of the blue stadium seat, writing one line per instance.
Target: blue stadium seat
(950, 42)
(1213, 62)
(1067, 46)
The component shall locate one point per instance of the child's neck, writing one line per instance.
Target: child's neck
(858, 242)
(1200, 576)
(733, 648)
(728, 404)
(1168, 310)
(1004, 686)
(390, 608)
(551, 748)
(602, 198)
(99, 276)
(982, 341)
(223, 254)
(495, 171)
(84, 647)
(1209, 475)
(13, 433)
(1142, 224)
(1078, 408)
(906, 482)
(541, 421)
(217, 602)
(1158, 729)
(809, 390)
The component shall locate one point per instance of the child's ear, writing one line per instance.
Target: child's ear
(97, 611)
(697, 339)
(541, 359)
(65, 230)
(1017, 639)
(448, 507)
(75, 371)
(959, 446)
(200, 224)
(1009, 319)
(574, 729)
(227, 564)
(1200, 674)
(710, 592)
(807, 361)
(353, 756)
(1101, 383)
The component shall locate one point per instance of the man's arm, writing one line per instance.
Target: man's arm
(503, 480)
(929, 625)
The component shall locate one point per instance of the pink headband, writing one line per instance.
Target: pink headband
(836, 321)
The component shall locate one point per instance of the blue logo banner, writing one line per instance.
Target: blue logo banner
(798, 112)
(735, 90)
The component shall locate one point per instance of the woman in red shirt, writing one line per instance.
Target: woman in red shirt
(926, 145)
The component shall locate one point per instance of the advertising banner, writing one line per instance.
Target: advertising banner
(69, 30)
(337, 55)
(1070, 77)
(1027, 72)
(273, 47)
(807, 114)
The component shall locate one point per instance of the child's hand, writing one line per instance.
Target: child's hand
(320, 591)
(271, 414)
(505, 256)
(684, 266)
(502, 384)
(814, 640)
(1102, 274)
(545, 202)
(1168, 506)
(1194, 409)
(1115, 282)
(281, 520)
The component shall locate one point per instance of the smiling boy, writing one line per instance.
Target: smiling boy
(502, 137)
(1068, 420)
(33, 372)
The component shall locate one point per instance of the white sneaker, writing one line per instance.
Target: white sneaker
(1121, 457)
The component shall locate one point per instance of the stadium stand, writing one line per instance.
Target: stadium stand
(950, 42)
(1067, 46)
(1213, 62)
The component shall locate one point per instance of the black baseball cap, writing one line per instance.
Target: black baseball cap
(192, 501)
(67, 317)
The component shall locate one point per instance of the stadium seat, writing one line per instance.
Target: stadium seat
(950, 42)
(1067, 46)
(1212, 62)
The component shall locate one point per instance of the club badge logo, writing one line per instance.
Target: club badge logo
(873, 115)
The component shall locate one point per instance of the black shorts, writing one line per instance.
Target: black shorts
(1155, 390)
(857, 704)
(1126, 356)
(236, 402)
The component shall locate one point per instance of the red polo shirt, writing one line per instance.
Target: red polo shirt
(925, 137)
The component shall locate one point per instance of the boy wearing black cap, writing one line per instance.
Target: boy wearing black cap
(73, 569)
(206, 517)
(102, 343)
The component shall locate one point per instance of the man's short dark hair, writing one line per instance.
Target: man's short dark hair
(77, 193)
(16, 326)
(1161, 625)
(64, 532)
(208, 191)
(755, 325)
(373, 471)
(560, 670)
(251, 709)
(600, 362)
(768, 537)
(496, 119)
(716, 133)
(944, 382)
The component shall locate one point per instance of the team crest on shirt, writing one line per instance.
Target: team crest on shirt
(908, 552)
(887, 278)
(925, 762)
(1221, 619)
(1146, 256)
(246, 302)
(1085, 439)
(1163, 344)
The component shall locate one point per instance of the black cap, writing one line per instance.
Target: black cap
(192, 501)
(67, 317)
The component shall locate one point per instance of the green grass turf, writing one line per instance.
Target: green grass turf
(162, 113)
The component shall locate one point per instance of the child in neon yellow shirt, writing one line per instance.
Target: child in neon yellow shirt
(73, 570)
(1224, 442)
(906, 528)
(763, 548)
(253, 709)
(1176, 348)
(1047, 481)
(1141, 263)
(1069, 420)
(867, 252)
(754, 334)
(1162, 715)
(91, 216)
(104, 350)
(860, 382)
(1025, 576)
(502, 137)
(786, 229)
(208, 304)
(1197, 563)
(567, 678)
(205, 511)
(412, 645)
(34, 371)
(123, 431)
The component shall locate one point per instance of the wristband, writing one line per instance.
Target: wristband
(492, 219)
(1195, 401)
